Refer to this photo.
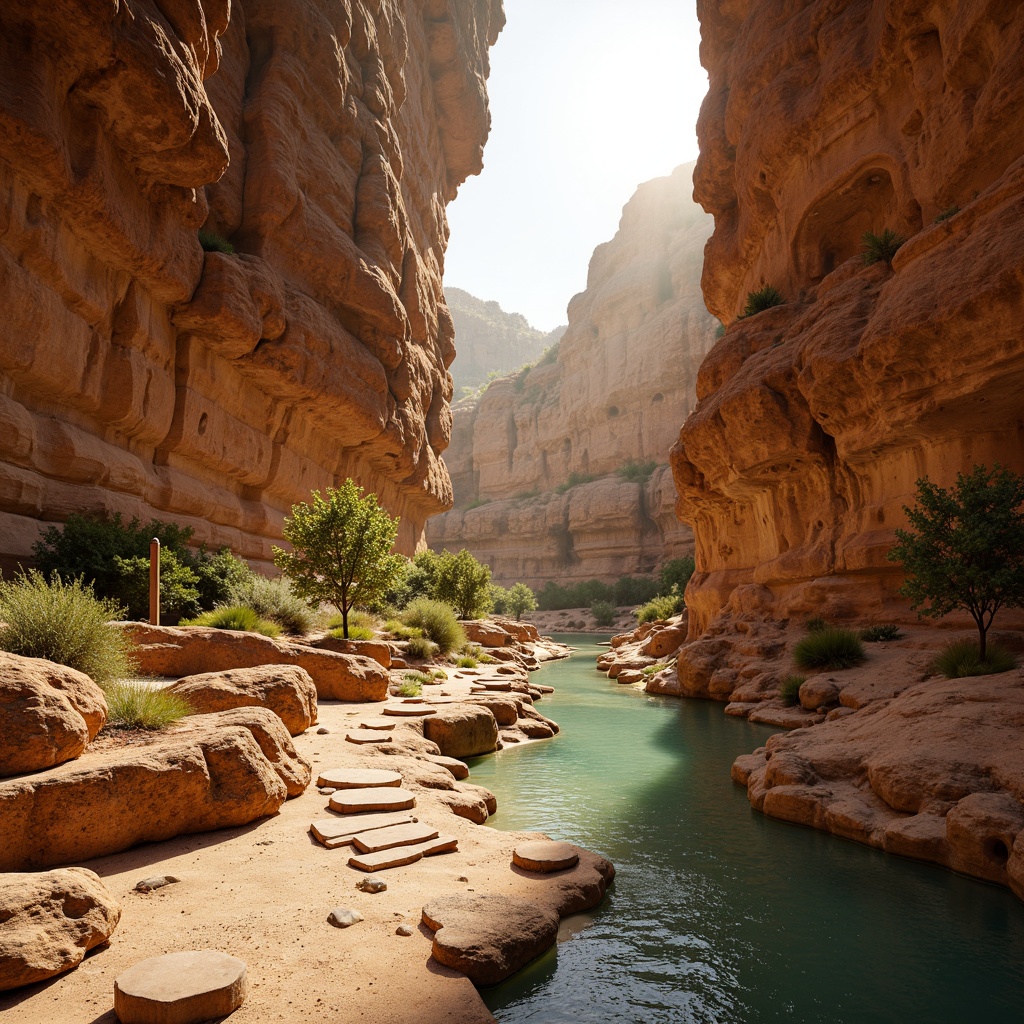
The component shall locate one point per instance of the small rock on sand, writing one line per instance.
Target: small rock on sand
(344, 917)
(155, 882)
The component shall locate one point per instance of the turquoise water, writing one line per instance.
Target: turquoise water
(719, 914)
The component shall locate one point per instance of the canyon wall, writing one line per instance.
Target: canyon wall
(815, 418)
(323, 138)
(614, 392)
(489, 340)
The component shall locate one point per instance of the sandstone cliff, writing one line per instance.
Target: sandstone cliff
(816, 418)
(323, 138)
(490, 340)
(614, 393)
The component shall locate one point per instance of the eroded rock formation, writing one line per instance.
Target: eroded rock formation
(140, 374)
(816, 418)
(621, 382)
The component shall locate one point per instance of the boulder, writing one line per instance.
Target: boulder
(185, 651)
(48, 713)
(818, 692)
(213, 771)
(49, 920)
(524, 632)
(287, 690)
(462, 730)
(545, 856)
(664, 641)
(504, 709)
(486, 633)
(378, 650)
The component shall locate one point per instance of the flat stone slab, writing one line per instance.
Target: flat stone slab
(542, 688)
(500, 685)
(368, 736)
(409, 710)
(459, 769)
(334, 832)
(401, 855)
(353, 801)
(181, 988)
(378, 724)
(358, 778)
(545, 855)
(394, 835)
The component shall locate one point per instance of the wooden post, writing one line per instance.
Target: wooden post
(154, 582)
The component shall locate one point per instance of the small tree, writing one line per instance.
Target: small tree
(965, 548)
(464, 583)
(520, 599)
(341, 549)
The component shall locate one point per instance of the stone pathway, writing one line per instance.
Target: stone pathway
(358, 778)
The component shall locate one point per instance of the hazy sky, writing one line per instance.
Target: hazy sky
(588, 99)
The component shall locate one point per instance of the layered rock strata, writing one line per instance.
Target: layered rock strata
(620, 383)
(142, 375)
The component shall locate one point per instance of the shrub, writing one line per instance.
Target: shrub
(63, 622)
(466, 662)
(829, 648)
(411, 685)
(138, 706)
(961, 658)
(789, 689)
(649, 670)
(603, 612)
(676, 572)
(550, 354)
(212, 242)
(354, 633)
(815, 625)
(882, 633)
(218, 575)
(658, 608)
(950, 211)
(437, 621)
(437, 675)
(880, 248)
(420, 648)
(634, 590)
(273, 599)
(575, 480)
(179, 587)
(499, 599)
(462, 582)
(235, 617)
(400, 631)
(637, 472)
(760, 300)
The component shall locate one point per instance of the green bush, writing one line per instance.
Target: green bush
(576, 595)
(218, 575)
(437, 621)
(411, 685)
(273, 599)
(420, 648)
(466, 662)
(789, 689)
(961, 658)
(881, 633)
(400, 631)
(633, 590)
(212, 242)
(676, 572)
(63, 622)
(760, 300)
(659, 608)
(950, 211)
(520, 599)
(137, 706)
(603, 612)
(179, 587)
(649, 670)
(880, 248)
(829, 648)
(815, 625)
(462, 582)
(550, 354)
(235, 617)
(499, 599)
(637, 472)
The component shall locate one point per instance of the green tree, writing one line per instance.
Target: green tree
(520, 598)
(965, 548)
(464, 583)
(341, 549)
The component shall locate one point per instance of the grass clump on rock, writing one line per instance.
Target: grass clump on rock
(138, 706)
(354, 633)
(236, 617)
(882, 633)
(789, 690)
(466, 661)
(212, 242)
(659, 608)
(437, 621)
(412, 684)
(63, 622)
(420, 648)
(829, 648)
(880, 248)
(961, 658)
(761, 299)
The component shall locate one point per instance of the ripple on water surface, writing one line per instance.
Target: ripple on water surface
(719, 915)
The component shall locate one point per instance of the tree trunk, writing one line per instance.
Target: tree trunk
(344, 620)
(982, 640)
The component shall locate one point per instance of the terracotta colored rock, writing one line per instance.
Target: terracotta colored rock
(462, 730)
(387, 798)
(485, 633)
(358, 778)
(49, 921)
(469, 805)
(524, 632)
(402, 855)
(286, 689)
(412, 710)
(505, 710)
(213, 771)
(489, 937)
(365, 736)
(48, 713)
(181, 988)
(818, 692)
(456, 768)
(378, 650)
(664, 641)
(184, 651)
(409, 834)
(335, 832)
(545, 855)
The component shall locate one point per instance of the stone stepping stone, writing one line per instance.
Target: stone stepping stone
(457, 768)
(409, 710)
(335, 832)
(543, 689)
(353, 801)
(368, 736)
(358, 778)
(181, 988)
(401, 855)
(545, 855)
(378, 724)
(395, 835)
(414, 700)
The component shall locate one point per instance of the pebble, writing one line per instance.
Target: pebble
(462, 878)
(326, 790)
(372, 885)
(343, 917)
(403, 929)
(155, 882)
(323, 731)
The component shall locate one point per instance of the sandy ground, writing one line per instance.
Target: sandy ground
(263, 893)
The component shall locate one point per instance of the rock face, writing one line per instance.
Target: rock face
(621, 382)
(140, 374)
(488, 339)
(816, 418)
(48, 713)
(49, 921)
(213, 772)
